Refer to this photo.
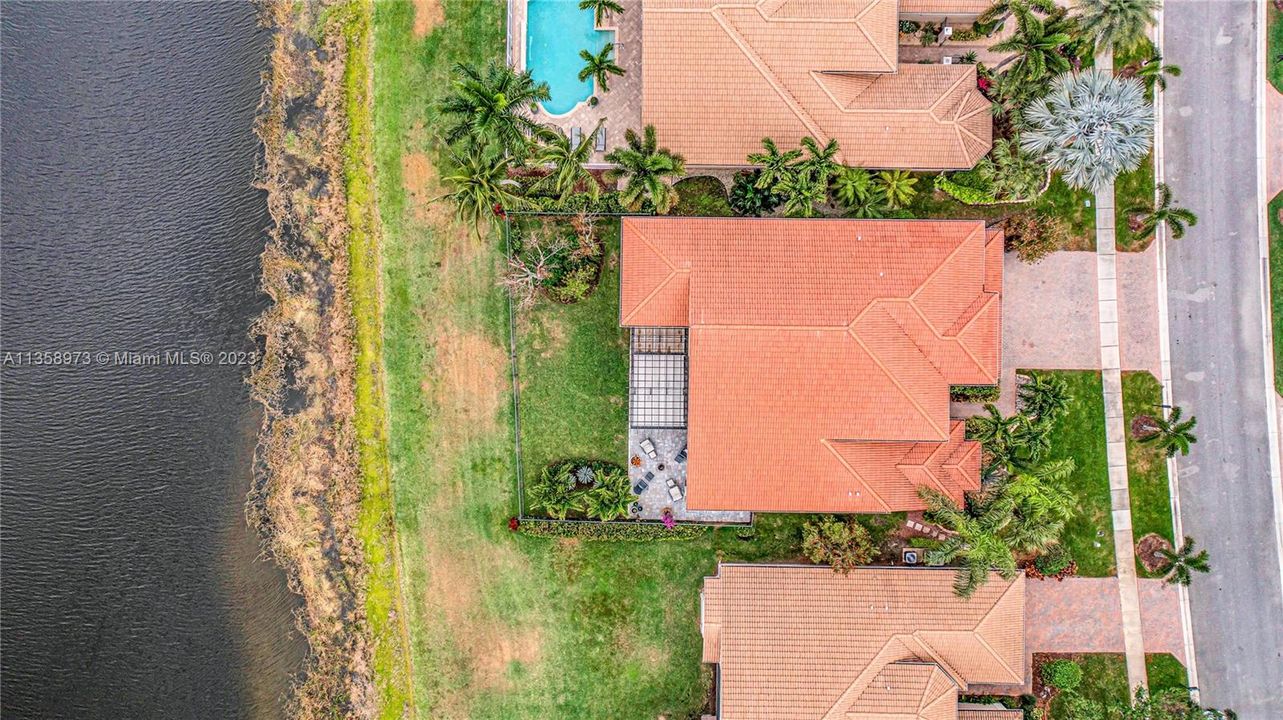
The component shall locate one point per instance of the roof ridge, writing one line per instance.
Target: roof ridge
(891, 64)
(947, 338)
(979, 225)
(828, 443)
(672, 269)
(848, 697)
(895, 380)
(947, 92)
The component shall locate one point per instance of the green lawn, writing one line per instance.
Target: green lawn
(1276, 280)
(1133, 189)
(1080, 435)
(1146, 465)
(1274, 21)
(1105, 679)
(573, 364)
(1074, 206)
(702, 195)
(1165, 672)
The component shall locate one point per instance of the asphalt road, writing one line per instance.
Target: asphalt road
(1215, 278)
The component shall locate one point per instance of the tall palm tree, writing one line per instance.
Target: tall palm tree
(1043, 504)
(1000, 436)
(567, 161)
(601, 7)
(801, 192)
(976, 540)
(1183, 563)
(1001, 9)
(898, 185)
(1116, 24)
(1151, 71)
(1171, 435)
(1164, 211)
(1091, 127)
(645, 168)
(1044, 396)
(481, 187)
(486, 107)
(850, 185)
(1036, 45)
(872, 205)
(600, 67)
(775, 165)
(819, 162)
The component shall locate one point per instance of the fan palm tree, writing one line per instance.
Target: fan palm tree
(801, 192)
(1036, 45)
(1183, 563)
(1045, 396)
(819, 162)
(600, 67)
(1171, 435)
(1001, 9)
(976, 540)
(898, 186)
(850, 185)
(600, 8)
(567, 161)
(486, 107)
(1116, 25)
(775, 165)
(1091, 127)
(1013, 173)
(1164, 211)
(645, 168)
(481, 186)
(1152, 71)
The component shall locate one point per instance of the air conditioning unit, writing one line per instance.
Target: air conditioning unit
(947, 60)
(911, 556)
(948, 30)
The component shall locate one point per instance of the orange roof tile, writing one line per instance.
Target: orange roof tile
(805, 642)
(821, 353)
(959, 8)
(719, 75)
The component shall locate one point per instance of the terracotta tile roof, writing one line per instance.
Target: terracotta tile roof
(719, 75)
(989, 714)
(959, 8)
(821, 353)
(804, 642)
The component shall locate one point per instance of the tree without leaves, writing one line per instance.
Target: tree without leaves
(600, 8)
(600, 67)
(1164, 211)
(1171, 434)
(1116, 24)
(567, 161)
(645, 168)
(1091, 127)
(530, 268)
(486, 108)
(1183, 563)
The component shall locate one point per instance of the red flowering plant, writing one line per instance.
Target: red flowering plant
(513, 524)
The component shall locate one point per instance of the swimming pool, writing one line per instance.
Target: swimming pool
(556, 30)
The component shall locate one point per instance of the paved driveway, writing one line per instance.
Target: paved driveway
(1215, 277)
(1084, 615)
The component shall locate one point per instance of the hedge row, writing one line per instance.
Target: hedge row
(964, 194)
(974, 393)
(609, 531)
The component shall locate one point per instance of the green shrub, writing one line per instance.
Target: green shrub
(748, 199)
(1033, 236)
(575, 285)
(702, 196)
(1054, 560)
(589, 488)
(614, 531)
(965, 34)
(909, 27)
(974, 393)
(1062, 674)
(963, 193)
(605, 204)
(844, 544)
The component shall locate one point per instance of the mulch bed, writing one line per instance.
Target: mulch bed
(1147, 552)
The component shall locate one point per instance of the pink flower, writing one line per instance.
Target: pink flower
(668, 520)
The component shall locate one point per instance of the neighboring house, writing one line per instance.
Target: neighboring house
(806, 643)
(719, 75)
(819, 353)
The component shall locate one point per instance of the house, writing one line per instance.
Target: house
(720, 75)
(806, 643)
(815, 356)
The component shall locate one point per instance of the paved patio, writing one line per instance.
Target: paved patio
(656, 498)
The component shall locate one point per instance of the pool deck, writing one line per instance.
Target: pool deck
(621, 106)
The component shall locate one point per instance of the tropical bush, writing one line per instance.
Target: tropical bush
(493, 108)
(1179, 565)
(841, 543)
(1054, 560)
(963, 193)
(898, 187)
(1117, 25)
(646, 169)
(1091, 127)
(614, 531)
(1033, 235)
(590, 488)
(1044, 396)
(703, 196)
(1010, 173)
(748, 198)
(1171, 434)
(1163, 212)
(974, 393)
(1062, 674)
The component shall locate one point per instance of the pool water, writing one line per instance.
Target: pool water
(556, 30)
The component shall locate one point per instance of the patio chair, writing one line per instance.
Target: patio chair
(599, 138)
(681, 456)
(649, 476)
(640, 487)
(675, 493)
(648, 447)
(576, 136)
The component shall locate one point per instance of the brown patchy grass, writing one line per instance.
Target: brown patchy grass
(428, 14)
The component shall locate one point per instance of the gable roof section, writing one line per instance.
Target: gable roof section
(821, 353)
(805, 642)
(719, 75)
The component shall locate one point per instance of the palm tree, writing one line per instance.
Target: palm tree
(645, 168)
(1037, 45)
(850, 185)
(801, 192)
(486, 107)
(1151, 71)
(1176, 218)
(870, 206)
(819, 162)
(1043, 504)
(1013, 173)
(1045, 396)
(481, 186)
(774, 164)
(567, 160)
(898, 185)
(1171, 435)
(1183, 563)
(601, 7)
(1091, 127)
(600, 67)
(976, 540)
(1001, 9)
(1116, 24)
(1004, 438)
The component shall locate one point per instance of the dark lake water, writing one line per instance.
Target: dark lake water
(132, 586)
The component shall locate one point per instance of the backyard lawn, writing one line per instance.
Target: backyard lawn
(1080, 435)
(1146, 465)
(1274, 55)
